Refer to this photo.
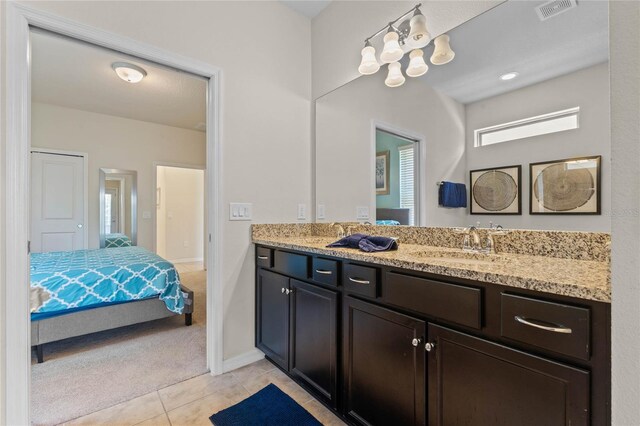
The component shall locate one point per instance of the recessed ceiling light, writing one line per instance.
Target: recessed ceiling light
(129, 72)
(509, 76)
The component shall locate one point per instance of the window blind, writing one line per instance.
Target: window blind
(407, 180)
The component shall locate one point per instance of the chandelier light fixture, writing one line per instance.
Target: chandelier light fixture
(405, 35)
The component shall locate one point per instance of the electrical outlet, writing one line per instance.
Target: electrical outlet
(320, 213)
(302, 211)
(240, 211)
(362, 212)
(185, 243)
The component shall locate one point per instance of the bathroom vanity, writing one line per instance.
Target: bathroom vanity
(433, 335)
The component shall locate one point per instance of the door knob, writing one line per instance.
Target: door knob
(429, 347)
(416, 341)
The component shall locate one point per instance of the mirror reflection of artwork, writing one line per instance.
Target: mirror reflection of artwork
(496, 191)
(382, 173)
(569, 186)
(118, 208)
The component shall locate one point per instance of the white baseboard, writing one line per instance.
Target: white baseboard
(241, 360)
(186, 260)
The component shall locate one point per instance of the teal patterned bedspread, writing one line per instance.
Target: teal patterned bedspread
(116, 240)
(85, 278)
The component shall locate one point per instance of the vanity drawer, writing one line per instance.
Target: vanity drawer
(554, 326)
(325, 271)
(264, 257)
(361, 280)
(292, 264)
(451, 302)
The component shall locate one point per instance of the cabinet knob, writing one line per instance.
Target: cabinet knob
(415, 342)
(287, 291)
(282, 290)
(429, 347)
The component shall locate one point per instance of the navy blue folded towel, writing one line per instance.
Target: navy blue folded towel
(370, 244)
(452, 194)
(350, 241)
(366, 243)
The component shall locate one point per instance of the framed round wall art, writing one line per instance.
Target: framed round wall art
(496, 191)
(570, 186)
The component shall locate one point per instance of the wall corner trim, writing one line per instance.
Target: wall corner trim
(241, 360)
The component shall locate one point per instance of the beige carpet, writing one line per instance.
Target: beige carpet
(85, 374)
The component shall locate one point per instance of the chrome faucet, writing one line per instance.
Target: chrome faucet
(472, 241)
(341, 232)
(475, 237)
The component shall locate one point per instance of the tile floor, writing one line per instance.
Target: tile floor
(192, 402)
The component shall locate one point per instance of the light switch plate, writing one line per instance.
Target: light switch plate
(302, 211)
(320, 213)
(240, 211)
(362, 212)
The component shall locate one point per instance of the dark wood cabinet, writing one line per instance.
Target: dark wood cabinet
(272, 316)
(384, 365)
(476, 382)
(314, 341)
(381, 345)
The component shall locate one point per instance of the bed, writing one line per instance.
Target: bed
(79, 292)
(116, 240)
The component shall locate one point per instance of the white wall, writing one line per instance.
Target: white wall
(182, 205)
(345, 145)
(114, 142)
(624, 30)
(338, 32)
(587, 89)
(266, 92)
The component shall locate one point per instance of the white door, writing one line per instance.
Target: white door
(112, 210)
(57, 202)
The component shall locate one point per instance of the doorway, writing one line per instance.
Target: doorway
(22, 18)
(397, 182)
(180, 211)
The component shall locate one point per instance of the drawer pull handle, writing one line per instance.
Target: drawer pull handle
(357, 281)
(263, 257)
(542, 326)
(323, 272)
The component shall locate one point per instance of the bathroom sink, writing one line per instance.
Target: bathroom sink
(459, 257)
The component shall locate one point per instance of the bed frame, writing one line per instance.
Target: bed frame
(401, 215)
(89, 321)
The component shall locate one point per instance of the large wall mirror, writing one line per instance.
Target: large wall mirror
(118, 208)
(522, 95)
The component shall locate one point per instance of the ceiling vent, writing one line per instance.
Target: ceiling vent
(554, 8)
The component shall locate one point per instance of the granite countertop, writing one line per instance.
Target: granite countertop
(584, 279)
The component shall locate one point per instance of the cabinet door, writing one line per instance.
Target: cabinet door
(272, 316)
(476, 382)
(384, 372)
(314, 352)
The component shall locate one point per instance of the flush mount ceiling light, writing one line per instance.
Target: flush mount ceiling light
(509, 76)
(404, 35)
(129, 72)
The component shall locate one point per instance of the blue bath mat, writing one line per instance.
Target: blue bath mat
(268, 407)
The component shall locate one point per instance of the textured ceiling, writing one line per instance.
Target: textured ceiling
(510, 37)
(76, 75)
(308, 8)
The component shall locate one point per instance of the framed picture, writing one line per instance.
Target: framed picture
(382, 173)
(570, 186)
(496, 190)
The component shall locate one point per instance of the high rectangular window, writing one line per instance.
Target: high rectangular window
(554, 122)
